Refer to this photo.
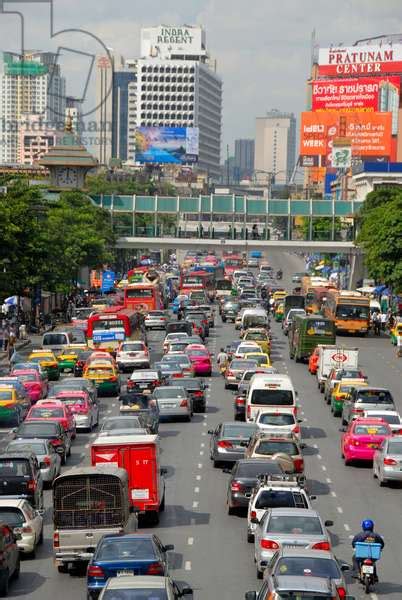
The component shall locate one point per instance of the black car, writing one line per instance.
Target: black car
(20, 477)
(229, 311)
(134, 403)
(47, 430)
(82, 358)
(179, 327)
(244, 477)
(9, 557)
(145, 380)
(195, 389)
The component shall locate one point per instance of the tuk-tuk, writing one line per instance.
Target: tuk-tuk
(279, 311)
(89, 503)
(395, 332)
(306, 332)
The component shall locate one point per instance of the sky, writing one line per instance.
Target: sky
(262, 47)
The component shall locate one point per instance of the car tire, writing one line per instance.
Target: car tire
(17, 569)
(40, 540)
(382, 482)
(32, 554)
(259, 574)
(62, 569)
(217, 464)
(162, 504)
(231, 510)
(250, 538)
(4, 584)
(64, 458)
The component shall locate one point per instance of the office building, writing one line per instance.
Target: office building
(29, 85)
(244, 159)
(74, 113)
(275, 146)
(35, 138)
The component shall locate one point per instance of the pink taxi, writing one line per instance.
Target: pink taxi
(362, 438)
(200, 359)
(85, 412)
(35, 385)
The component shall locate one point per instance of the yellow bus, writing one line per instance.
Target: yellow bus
(350, 311)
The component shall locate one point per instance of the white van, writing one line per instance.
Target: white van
(272, 392)
(254, 317)
(57, 340)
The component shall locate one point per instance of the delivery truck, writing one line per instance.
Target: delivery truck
(139, 456)
(334, 356)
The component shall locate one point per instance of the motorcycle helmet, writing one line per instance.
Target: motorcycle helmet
(367, 525)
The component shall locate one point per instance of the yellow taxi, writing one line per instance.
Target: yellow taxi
(260, 358)
(279, 295)
(13, 406)
(341, 392)
(48, 361)
(259, 335)
(104, 375)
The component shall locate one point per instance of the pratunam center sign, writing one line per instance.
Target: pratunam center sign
(360, 60)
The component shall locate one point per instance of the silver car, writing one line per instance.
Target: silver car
(49, 460)
(387, 461)
(229, 441)
(173, 402)
(288, 528)
(155, 319)
(366, 398)
(131, 355)
(123, 425)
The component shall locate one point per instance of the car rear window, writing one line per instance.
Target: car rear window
(371, 430)
(12, 516)
(43, 413)
(289, 524)
(199, 353)
(169, 392)
(395, 448)
(280, 499)
(266, 397)
(106, 371)
(253, 469)
(38, 429)
(278, 420)
(122, 424)
(6, 394)
(35, 447)
(14, 467)
(134, 347)
(256, 336)
(129, 549)
(238, 431)
(242, 365)
(27, 377)
(313, 567)
(135, 400)
(374, 397)
(136, 594)
(71, 401)
(55, 339)
(270, 447)
(144, 376)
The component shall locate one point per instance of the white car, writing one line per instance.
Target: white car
(179, 335)
(132, 354)
(155, 319)
(276, 421)
(26, 522)
(246, 348)
(177, 347)
(392, 417)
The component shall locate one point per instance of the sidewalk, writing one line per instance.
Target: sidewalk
(18, 346)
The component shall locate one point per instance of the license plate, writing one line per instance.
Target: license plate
(369, 569)
(132, 353)
(171, 405)
(124, 573)
(142, 385)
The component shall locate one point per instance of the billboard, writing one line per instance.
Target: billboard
(166, 145)
(370, 133)
(167, 41)
(360, 60)
(365, 94)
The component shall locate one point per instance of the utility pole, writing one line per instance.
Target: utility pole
(227, 165)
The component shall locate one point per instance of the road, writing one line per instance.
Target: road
(211, 552)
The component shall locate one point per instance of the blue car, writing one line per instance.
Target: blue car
(123, 555)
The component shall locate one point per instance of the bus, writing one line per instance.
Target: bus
(143, 296)
(197, 280)
(110, 327)
(231, 263)
(223, 288)
(315, 297)
(350, 311)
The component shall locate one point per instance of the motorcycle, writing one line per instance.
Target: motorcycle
(279, 274)
(367, 554)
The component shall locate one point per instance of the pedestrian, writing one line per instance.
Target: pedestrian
(11, 347)
(6, 337)
(376, 322)
(255, 231)
(384, 320)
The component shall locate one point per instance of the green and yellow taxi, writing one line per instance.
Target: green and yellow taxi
(105, 377)
(13, 406)
(48, 361)
(260, 336)
(396, 332)
(69, 356)
(279, 311)
(341, 392)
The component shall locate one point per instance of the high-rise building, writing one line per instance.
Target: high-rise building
(35, 138)
(275, 146)
(74, 112)
(244, 159)
(31, 84)
(124, 104)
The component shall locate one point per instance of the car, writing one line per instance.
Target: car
(392, 417)
(138, 404)
(132, 355)
(245, 348)
(21, 477)
(287, 586)
(18, 366)
(50, 430)
(101, 355)
(9, 557)
(143, 586)
(288, 320)
(13, 405)
(340, 392)
(337, 374)
(301, 562)
(82, 357)
(362, 438)
(173, 402)
(169, 369)
(85, 412)
(197, 314)
(48, 361)
(228, 441)
(284, 527)
(26, 522)
(260, 358)
(49, 460)
(195, 388)
(179, 335)
(387, 460)
(253, 263)
(126, 555)
(144, 380)
(365, 398)
(210, 313)
(284, 448)
(197, 325)
(182, 360)
(244, 477)
(123, 424)
(243, 386)
(235, 371)
(275, 421)
(67, 358)
(36, 386)
(177, 346)
(155, 319)
(260, 336)
(229, 311)
(104, 375)
(200, 358)
(75, 383)
(54, 410)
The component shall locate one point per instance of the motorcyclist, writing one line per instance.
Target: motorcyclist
(222, 359)
(279, 274)
(369, 536)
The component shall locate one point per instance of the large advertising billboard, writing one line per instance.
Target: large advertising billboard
(370, 133)
(166, 41)
(166, 145)
(370, 94)
(360, 60)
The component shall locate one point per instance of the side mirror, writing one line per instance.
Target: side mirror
(300, 420)
(255, 521)
(168, 547)
(313, 497)
(185, 591)
(345, 567)
(302, 446)
(250, 596)
(210, 431)
(163, 471)
(328, 523)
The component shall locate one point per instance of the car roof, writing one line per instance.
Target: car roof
(306, 552)
(304, 584)
(145, 581)
(14, 454)
(294, 512)
(12, 502)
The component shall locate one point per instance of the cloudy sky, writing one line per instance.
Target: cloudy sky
(262, 47)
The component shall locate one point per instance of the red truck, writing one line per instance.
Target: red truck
(139, 455)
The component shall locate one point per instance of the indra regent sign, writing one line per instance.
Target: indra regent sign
(174, 35)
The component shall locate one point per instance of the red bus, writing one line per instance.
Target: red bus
(231, 263)
(111, 326)
(143, 296)
(198, 280)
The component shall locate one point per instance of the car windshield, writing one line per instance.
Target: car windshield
(272, 397)
(35, 447)
(169, 392)
(280, 499)
(374, 397)
(242, 365)
(371, 430)
(113, 424)
(270, 447)
(240, 431)
(43, 412)
(133, 347)
(289, 524)
(37, 429)
(128, 549)
(13, 468)
(27, 377)
(278, 420)
(312, 567)
(347, 311)
(136, 593)
(254, 469)
(6, 394)
(12, 516)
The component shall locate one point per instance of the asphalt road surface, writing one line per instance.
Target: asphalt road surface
(211, 552)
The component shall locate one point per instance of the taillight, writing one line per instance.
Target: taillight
(198, 393)
(64, 422)
(230, 374)
(96, 572)
(27, 529)
(46, 460)
(341, 592)
(397, 432)
(253, 514)
(248, 411)
(298, 465)
(225, 444)
(236, 486)
(269, 545)
(31, 485)
(354, 443)
(321, 546)
(389, 461)
(155, 569)
(240, 401)
(114, 378)
(296, 429)
(56, 442)
(357, 411)
(184, 403)
(56, 540)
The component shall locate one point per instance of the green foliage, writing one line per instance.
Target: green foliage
(381, 236)
(140, 185)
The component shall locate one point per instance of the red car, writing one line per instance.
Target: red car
(200, 359)
(32, 381)
(362, 438)
(54, 410)
(313, 362)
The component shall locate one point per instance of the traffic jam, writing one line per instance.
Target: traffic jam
(151, 349)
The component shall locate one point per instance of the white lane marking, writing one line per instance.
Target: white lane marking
(319, 456)
(339, 509)
(82, 455)
(195, 504)
(204, 433)
(333, 494)
(328, 480)
(114, 405)
(202, 453)
(109, 412)
(323, 467)
(373, 596)
(200, 465)
(315, 446)
(196, 490)
(202, 445)
(204, 424)
(198, 477)
(190, 541)
(93, 435)
(187, 565)
(346, 526)
(86, 445)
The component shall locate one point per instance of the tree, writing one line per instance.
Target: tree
(381, 237)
